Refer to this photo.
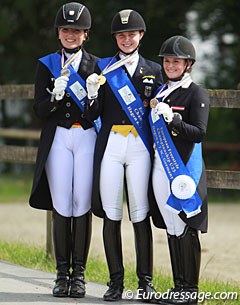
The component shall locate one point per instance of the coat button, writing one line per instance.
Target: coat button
(168, 100)
(68, 104)
(67, 115)
(67, 94)
(123, 122)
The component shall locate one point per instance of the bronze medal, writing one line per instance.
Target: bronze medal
(65, 72)
(102, 80)
(153, 103)
(145, 103)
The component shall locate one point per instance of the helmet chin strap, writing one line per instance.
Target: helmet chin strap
(71, 51)
(129, 53)
(74, 50)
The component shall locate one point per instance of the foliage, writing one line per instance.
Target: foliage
(96, 271)
(27, 31)
(15, 188)
(222, 128)
(219, 20)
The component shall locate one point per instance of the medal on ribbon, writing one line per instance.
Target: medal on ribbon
(116, 65)
(65, 71)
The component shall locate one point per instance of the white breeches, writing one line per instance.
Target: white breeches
(69, 169)
(161, 188)
(125, 154)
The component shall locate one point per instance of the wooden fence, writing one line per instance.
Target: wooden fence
(224, 179)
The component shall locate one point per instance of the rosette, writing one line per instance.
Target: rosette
(183, 187)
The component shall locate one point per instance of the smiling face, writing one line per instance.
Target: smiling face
(174, 67)
(71, 38)
(128, 41)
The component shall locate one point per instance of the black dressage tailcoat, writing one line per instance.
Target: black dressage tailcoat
(63, 113)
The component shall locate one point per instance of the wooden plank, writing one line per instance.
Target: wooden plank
(17, 92)
(49, 242)
(19, 133)
(224, 98)
(17, 154)
(221, 146)
(223, 179)
(220, 98)
(215, 178)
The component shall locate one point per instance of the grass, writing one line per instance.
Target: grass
(96, 271)
(15, 187)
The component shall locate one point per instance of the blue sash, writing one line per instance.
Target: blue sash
(174, 166)
(129, 99)
(76, 86)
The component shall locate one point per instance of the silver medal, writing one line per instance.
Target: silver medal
(65, 72)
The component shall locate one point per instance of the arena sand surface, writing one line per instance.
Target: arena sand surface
(220, 246)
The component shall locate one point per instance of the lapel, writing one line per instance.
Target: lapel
(83, 69)
(139, 72)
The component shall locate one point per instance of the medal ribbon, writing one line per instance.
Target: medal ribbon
(78, 94)
(164, 91)
(69, 60)
(118, 64)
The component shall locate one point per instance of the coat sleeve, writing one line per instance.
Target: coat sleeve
(195, 128)
(44, 83)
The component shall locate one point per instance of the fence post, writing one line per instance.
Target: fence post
(49, 244)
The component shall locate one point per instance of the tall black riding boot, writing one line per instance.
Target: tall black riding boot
(144, 255)
(81, 236)
(175, 257)
(190, 250)
(113, 250)
(185, 254)
(62, 249)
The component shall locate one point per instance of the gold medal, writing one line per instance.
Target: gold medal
(153, 103)
(102, 80)
(65, 72)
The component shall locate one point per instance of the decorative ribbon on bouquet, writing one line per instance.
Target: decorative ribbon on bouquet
(183, 178)
(127, 95)
(76, 85)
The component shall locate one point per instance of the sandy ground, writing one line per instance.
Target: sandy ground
(220, 246)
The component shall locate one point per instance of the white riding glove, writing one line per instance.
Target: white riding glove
(92, 84)
(166, 111)
(60, 85)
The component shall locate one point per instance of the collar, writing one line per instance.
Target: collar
(79, 56)
(133, 60)
(181, 83)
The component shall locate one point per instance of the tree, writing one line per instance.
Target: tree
(27, 31)
(26, 34)
(219, 20)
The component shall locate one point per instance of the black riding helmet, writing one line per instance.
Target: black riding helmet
(178, 46)
(73, 15)
(126, 21)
